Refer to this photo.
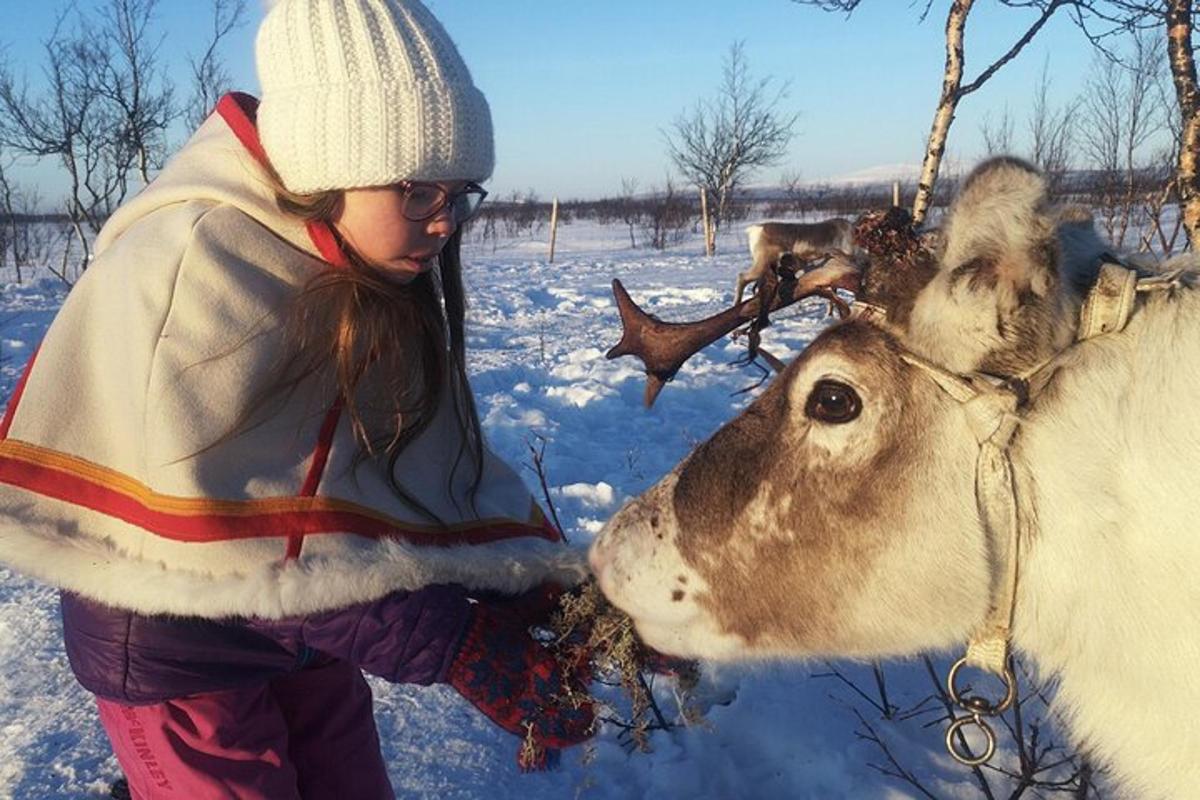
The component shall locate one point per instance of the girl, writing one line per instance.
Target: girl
(247, 451)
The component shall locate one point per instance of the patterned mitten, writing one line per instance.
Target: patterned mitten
(518, 684)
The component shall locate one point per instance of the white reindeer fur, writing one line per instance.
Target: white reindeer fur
(1105, 459)
(1108, 597)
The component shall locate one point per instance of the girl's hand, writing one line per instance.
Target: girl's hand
(518, 684)
(533, 607)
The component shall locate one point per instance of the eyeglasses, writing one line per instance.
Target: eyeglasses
(424, 201)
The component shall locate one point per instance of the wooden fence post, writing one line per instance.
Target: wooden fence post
(706, 222)
(553, 228)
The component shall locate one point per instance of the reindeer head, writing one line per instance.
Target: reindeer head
(837, 514)
(825, 500)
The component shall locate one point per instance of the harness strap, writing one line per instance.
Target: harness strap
(991, 408)
(1109, 303)
(995, 497)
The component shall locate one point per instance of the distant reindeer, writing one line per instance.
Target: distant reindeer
(997, 447)
(770, 240)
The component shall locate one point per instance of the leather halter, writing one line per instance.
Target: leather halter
(995, 407)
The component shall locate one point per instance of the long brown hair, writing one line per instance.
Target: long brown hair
(390, 350)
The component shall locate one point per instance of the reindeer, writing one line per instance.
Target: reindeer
(771, 240)
(998, 445)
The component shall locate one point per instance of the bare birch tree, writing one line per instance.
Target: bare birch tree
(210, 78)
(794, 196)
(666, 217)
(1051, 132)
(23, 241)
(953, 87)
(1180, 23)
(629, 211)
(133, 81)
(997, 133)
(1104, 20)
(1162, 230)
(72, 122)
(725, 139)
(8, 217)
(1122, 116)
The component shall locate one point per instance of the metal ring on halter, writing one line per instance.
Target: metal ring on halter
(965, 758)
(978, 705)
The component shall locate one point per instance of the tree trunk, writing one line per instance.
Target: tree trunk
(722, 215)
(8, 209)
(143, 166)
(956, 21)
(1183, 71)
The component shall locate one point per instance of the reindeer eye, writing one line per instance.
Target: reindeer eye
(833, 402)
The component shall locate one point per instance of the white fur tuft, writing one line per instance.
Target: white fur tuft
(1000, 210)
(753, 234)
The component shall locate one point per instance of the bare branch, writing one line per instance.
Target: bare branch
(1017, 47)
(894, 769)
(885, 709)
(953, 87)
(538, 465)
(67, 122)
(210, 78)
(1051, 132)
(847, 6)
(1121, 117)
(725, 139)
(997, 134)
(132, 80)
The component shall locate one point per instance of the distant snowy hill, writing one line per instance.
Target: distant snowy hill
(869, 176)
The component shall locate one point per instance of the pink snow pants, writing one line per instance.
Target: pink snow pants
(306, 736)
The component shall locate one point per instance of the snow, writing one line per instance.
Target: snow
(538, 334)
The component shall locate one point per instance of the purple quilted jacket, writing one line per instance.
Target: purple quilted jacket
(404, 637)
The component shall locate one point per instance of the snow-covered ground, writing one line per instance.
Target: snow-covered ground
(538, 336)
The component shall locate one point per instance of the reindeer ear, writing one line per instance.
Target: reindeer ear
(996, 304)
(1000, 236)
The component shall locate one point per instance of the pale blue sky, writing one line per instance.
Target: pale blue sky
(581, 90)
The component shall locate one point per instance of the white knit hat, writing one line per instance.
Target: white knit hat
(367, 93)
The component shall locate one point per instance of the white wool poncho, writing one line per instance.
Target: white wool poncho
(157, 350)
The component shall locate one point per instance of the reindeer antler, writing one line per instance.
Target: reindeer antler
(664, 346)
